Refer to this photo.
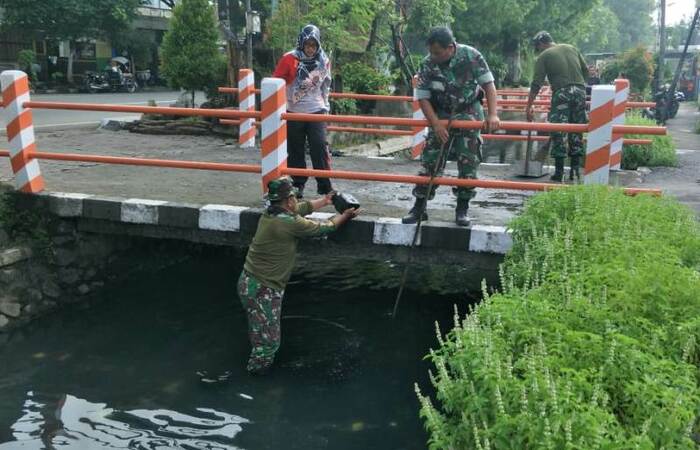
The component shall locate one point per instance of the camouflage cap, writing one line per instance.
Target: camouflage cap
(280, 188)
(542, 37)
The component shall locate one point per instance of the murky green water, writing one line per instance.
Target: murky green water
(121, 373)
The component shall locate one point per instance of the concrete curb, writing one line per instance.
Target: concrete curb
(241, 220)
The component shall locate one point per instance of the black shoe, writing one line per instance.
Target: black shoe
(461, 217)
(574, 171)
(324, 190)
(413, 214)
(558, 170)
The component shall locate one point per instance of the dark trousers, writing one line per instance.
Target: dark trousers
(297, 135)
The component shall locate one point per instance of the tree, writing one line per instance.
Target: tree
(636, 24)
(68, 19)
(636, 65)
(190, 50)
(344, 24)
(499, 29)
(601, 32)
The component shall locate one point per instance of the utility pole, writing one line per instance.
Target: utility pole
(249, 35)
(662, 46)
(677, 75)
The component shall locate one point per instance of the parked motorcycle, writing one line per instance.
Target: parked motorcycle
(115, 78)
(666, 106)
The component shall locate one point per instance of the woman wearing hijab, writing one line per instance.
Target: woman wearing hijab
(307, 71)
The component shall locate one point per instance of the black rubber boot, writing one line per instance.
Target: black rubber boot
(558, 169)
(574, 172)
(461, 217)
(412, 216)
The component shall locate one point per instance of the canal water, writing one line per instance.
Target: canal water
(120, 370)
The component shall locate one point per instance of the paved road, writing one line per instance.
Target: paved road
(57, 119)
(682, 182)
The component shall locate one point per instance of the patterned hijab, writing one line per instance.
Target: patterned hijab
(317, 62)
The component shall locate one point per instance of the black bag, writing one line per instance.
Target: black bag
(342, 201)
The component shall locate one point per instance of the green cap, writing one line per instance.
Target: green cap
(280, 189)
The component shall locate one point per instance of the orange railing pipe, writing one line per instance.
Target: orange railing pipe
(403, 98)
(470, 124)
(340, 174)
(144, 109)
(396, 121)
(487, 136)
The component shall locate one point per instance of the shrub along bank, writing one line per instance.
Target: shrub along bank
(661, 151)
(593, 341)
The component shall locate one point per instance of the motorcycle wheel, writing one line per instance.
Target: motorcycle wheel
(674, 110)
(131, 88)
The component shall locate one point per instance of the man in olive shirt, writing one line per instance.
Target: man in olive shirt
(566, 71)
(269, 262)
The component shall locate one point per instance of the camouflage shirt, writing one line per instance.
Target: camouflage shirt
(454, 86)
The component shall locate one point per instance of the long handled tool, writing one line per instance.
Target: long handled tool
(444, 151)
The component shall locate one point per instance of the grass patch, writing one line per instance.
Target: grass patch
(593, 341)
(661, 152)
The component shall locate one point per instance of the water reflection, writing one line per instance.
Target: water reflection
(68, 422)
(343, 379)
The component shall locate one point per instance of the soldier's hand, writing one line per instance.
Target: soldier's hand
(493, 123)
(352, 212)
(441, 132)
(328, 198)
(530, 114)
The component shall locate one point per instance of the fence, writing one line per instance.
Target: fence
(273, 116)
(541, 104)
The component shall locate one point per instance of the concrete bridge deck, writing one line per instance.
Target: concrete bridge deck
(490, 207)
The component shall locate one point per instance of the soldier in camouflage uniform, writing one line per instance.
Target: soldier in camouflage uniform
(451, 82)
(269, 264)
(566, 71)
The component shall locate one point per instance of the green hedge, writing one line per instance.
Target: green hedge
(593, 342)
(661, 152)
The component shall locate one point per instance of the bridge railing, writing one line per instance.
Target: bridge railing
(24, 156)
(246, 94)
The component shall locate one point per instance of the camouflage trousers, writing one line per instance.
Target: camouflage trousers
(568, 106)
(465, 147)
(263, 306)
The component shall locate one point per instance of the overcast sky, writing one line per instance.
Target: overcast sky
(677, 9)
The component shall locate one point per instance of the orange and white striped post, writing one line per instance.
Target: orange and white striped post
(246, 102)
(622, 90)
(419, 133)
(597, 166)
(274, 129)
(20, 131)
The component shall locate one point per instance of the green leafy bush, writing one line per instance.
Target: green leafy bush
(661, 152)
(361, 78)
(636, 65)
(26, 59)
(593, 342)
(344, 106)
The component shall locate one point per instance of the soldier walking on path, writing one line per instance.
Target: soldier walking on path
(566, 71)
(452, 80)
(269, 262)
